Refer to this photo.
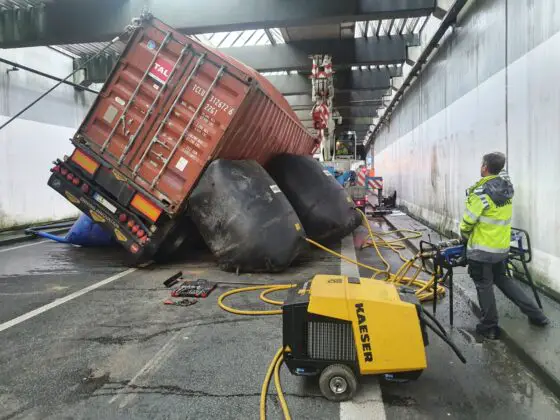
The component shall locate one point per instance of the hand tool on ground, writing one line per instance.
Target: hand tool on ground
(174, 279)
(183, 302)
(199, 288)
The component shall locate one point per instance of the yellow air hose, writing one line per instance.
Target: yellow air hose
(375, 240)
(267, 289)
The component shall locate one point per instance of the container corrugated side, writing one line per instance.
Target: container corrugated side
(162, 115)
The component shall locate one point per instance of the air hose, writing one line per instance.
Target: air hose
(375, 240)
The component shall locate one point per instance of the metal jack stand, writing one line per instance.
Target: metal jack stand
(443, 256)
(520, 250)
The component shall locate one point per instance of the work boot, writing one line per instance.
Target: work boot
(492, 333)
(540, 322)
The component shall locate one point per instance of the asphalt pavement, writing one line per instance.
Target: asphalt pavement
(84, 337)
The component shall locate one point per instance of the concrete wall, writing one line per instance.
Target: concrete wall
(492, 86)
(32, 142)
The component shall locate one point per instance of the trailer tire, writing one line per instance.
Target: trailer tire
(338, 383)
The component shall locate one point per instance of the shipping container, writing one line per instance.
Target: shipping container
(169, 107)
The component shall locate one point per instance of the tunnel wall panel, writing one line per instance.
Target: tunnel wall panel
(488, 106)
(28, 144)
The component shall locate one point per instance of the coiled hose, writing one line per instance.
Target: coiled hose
(375, 240)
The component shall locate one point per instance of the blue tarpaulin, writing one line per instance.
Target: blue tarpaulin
(84, 232)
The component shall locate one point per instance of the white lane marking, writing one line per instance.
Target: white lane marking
(368, 402)
(23, 246)
(151, 366)
(62, 300)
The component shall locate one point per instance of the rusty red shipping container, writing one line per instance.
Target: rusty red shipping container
(171, 105)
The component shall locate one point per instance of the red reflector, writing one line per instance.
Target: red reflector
(76, 181)
(69, 177)
(135, 228)
(140, 233)
(63, 171)
(85, 188)
(123, 218)
(56, 169)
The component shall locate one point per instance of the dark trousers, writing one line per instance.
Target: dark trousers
(485, 275)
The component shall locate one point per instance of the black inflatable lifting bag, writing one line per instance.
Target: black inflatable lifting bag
(244, 218)
(324, 207)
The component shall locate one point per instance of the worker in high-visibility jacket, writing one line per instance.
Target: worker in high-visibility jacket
(486, 229)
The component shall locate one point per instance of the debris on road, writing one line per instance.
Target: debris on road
(183, 302)
(174, 279)
(199, 288)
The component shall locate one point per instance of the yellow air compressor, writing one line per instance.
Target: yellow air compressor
(342, 327)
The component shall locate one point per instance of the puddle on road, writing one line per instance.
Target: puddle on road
(60, 259)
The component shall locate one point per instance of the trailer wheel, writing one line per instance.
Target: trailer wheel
(338, 383)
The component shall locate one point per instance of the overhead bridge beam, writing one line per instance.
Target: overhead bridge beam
(363, 116)
(373, 105)
(345, 81)
(348, 121)
(73, 21)
(345, 52)
(352, 99)
(349, 126)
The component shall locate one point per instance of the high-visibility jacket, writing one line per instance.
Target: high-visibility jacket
(487, 219)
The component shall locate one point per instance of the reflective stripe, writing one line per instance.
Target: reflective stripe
(471, 215)
(484, 202)
(488, 249)
(496, 222)
(478, 190)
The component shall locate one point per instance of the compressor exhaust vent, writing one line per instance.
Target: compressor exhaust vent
(330, 341)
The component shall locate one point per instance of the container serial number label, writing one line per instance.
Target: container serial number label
(213, 104)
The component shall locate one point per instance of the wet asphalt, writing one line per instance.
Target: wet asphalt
(117, 352)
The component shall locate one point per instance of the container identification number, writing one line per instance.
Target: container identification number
(213, 104)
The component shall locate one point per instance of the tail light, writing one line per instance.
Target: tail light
(146, 207)
(85, 188)
(135, 228)
(63, 171)
(123, 218)
(84, 161)
(140, 233)
(56, 169)
(130, 224)
(69, 177)
(76, 181)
